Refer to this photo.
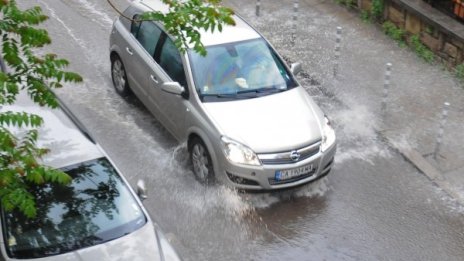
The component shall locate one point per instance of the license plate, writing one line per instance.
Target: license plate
(291, 173)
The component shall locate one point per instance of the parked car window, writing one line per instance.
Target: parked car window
(240, 67)
(148, 35)
(96, 207)
(171, 62)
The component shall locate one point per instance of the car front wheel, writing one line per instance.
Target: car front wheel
(119, 76)
(201, 162)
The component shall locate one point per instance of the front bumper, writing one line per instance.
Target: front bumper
(262, 178)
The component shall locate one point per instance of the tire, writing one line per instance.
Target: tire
(119, 76)
(202, 165)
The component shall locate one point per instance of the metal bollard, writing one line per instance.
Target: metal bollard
(337, 50)
(444, 117)
(386, 86)
(258, 6)
(295, 18)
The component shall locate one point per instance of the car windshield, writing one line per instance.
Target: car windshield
(239, 70)
(95, 207)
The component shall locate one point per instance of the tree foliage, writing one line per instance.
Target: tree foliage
(37, 75)
(185, 19)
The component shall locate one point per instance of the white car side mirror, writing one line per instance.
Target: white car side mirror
(141, 190)
(296, 68)
(172, 87)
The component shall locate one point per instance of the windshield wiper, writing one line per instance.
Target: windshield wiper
(230, 95)
(262, 90)
(244, 94)
(219, 95)
(270, 89)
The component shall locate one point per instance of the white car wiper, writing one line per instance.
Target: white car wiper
(262, 90)
(227, 95)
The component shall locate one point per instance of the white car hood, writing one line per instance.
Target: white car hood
(67, 144)
(141, 245)
(272, 123)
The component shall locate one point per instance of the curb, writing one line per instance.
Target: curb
(433, 174)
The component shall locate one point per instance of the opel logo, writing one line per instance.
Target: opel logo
(295, 155)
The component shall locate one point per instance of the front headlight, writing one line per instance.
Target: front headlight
(328, 135)
(239, 153)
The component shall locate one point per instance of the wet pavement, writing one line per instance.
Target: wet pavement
(416, 95)
(373, 205)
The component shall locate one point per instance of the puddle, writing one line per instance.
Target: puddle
(202, 199)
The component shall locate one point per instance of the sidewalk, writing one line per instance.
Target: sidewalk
(416, 94)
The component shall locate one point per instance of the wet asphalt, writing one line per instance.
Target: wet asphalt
(373, 205)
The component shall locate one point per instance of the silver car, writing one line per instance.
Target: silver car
(246, 120)
(96, 217)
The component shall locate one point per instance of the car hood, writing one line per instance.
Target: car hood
(141, 245)
(67, 144)
(272, 123)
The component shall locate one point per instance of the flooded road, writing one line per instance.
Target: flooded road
(372, 206)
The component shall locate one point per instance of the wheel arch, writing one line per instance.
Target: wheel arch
(197, 133)
(114, 55)
(115, 52)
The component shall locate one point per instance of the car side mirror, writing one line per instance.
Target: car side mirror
(141, 190)
(173, 87)
(296, 68)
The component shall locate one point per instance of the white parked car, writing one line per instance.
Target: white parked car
(246, 119)
(96, 217)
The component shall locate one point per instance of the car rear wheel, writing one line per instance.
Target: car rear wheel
(201, 162)
(119, 76)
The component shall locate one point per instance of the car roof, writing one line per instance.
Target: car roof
(240, 32)
(68, 143)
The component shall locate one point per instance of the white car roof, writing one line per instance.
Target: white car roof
(240, 32)
(67, 143)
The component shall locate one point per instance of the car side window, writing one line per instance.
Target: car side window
(135, 25)
(148, 35)
(171, 61)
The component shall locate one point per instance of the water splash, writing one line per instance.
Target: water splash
(356, 128)
(179, 156)
(264, 200)
(201, 200)
(357, 123)
(403, 141)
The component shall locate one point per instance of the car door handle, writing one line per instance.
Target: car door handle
(153, 78)
(129, 50)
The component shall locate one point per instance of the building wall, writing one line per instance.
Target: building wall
(440, 38)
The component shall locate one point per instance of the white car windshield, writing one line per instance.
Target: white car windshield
(94, 208)
(246, 69)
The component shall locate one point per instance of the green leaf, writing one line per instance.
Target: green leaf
(229, 20)
(29, 209)
(184, 19)
(36, 177)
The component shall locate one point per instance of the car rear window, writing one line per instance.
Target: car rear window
(95, 208)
